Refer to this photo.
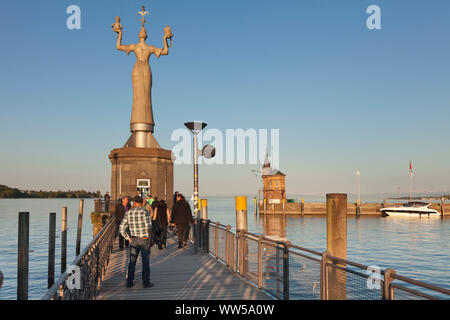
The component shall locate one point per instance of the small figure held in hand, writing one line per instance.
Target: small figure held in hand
(117, 27)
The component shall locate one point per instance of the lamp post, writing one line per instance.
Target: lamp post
(208, 152)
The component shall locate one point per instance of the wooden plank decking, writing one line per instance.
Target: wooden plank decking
(176, 274)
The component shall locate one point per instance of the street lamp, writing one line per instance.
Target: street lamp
(208, 152)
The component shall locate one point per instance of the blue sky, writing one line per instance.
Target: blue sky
(344, 97)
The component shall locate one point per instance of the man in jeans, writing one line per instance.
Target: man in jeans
(135, 227)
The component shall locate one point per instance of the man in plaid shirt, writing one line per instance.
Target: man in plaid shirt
(135, 227)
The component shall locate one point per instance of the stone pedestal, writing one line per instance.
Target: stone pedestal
(130, 164)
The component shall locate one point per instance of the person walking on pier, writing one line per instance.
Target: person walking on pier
(136, 228)
(162, 215)
(120, 213)
(182, 217)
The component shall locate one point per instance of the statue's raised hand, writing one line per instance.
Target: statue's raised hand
(168, 33)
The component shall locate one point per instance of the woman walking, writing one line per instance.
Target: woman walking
(162, 215)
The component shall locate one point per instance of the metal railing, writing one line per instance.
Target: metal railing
(286, 271)
(92, 263)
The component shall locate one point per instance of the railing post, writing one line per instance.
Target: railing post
(241, 253)
(323, 277)
(22, 255)
(208, 222)
(216, 238)
(227, 246)
(242, 228)
(260, 261)
(51, 249)
(286, 270)
(97, 269)
(388, 292)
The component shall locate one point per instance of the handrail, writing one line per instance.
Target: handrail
(242, 256)
(78, 260)
(420, 283)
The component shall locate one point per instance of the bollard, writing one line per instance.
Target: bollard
(80, 225)
(204, 209)
(337, 243)
(22, 255)
(51, 249)
(241, 229)
(241, 214)
(63, 239)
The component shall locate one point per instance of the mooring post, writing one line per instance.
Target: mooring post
(51, 248)
(242, 228)
(22, 255)
(283, 200)
(63, 239)
(265, 205)
(337, 243)
(80, 226)
(256, 207)
(442, 208)
(303, 206)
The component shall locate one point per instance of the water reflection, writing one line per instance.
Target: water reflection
(275, 227)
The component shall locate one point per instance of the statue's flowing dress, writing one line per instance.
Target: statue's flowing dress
(141, 77)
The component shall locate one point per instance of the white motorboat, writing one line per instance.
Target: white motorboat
(410, 209)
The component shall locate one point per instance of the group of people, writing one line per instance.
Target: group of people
(146, 221)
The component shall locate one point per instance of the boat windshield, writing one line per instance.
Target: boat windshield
(415, 204)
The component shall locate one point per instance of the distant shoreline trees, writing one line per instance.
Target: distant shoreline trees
(14, 193)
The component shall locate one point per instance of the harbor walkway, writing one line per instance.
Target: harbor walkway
(176, 274)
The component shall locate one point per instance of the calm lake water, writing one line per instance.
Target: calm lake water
(414, 247)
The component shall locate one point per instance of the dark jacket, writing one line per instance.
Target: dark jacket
(162, 215)
(181, 213)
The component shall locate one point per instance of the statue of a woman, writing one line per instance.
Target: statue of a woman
(142, 113)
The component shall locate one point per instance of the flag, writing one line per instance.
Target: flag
(410, 166)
